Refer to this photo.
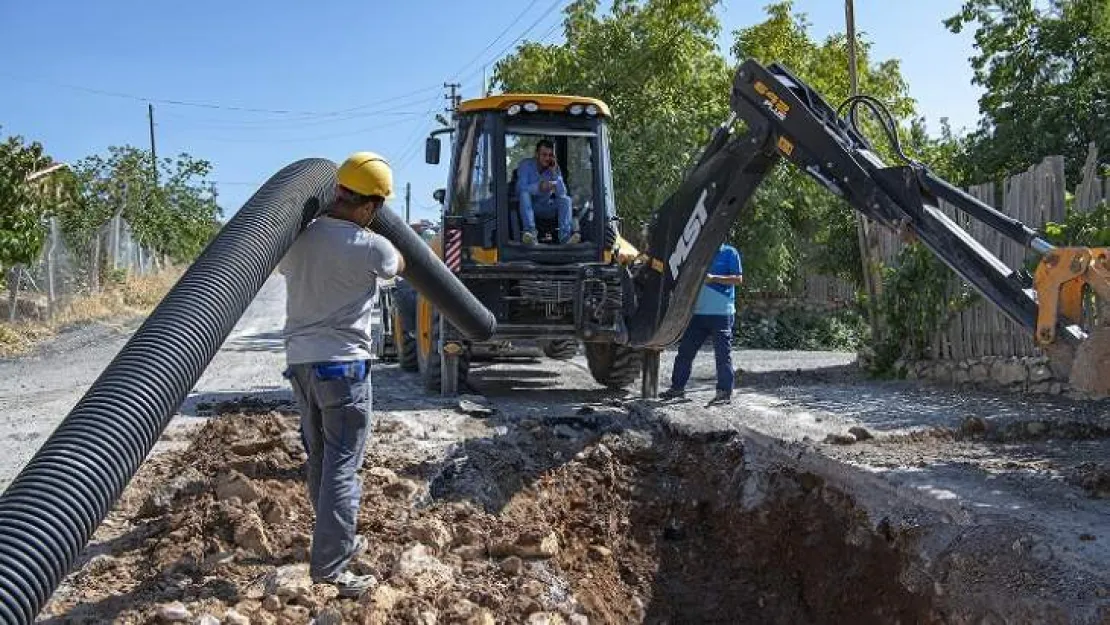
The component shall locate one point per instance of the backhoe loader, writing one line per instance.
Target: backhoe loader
(626, 305)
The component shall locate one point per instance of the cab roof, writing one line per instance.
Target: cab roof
(545, 102)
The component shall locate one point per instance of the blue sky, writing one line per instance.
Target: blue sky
(332, 77)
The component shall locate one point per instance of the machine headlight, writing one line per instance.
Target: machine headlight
(576, 109)
(591, 110)
(514, 109)
(531, 107)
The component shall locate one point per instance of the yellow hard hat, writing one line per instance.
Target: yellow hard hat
(367, 173)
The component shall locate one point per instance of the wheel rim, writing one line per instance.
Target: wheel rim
(423, 328)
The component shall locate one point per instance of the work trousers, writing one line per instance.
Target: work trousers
(701, 327)
(547, 206)
(334, 401)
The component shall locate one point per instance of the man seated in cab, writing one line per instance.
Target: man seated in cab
(542, 192)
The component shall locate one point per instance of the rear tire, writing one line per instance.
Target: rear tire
(561, 349)
(406, 351)
(612, 365)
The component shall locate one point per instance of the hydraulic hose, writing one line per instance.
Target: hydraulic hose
(51, 509)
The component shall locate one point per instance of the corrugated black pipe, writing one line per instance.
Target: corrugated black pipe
(434, 280)
(49, 513)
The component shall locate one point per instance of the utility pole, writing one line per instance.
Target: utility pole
(153, 154)
(454, 98)
(408, 201)
(867, 249)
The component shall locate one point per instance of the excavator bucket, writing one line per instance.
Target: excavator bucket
(1066, 279)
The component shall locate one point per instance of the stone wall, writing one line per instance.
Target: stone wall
(1030, 374)
(773, 306)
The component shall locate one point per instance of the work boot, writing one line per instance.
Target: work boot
(573, 239)
(529, 238)
(349, 584)
(722, 397)
(672, 393)
(352, 586)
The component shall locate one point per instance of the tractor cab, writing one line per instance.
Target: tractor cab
(493, 138)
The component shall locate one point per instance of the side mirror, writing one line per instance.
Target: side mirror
(431, 150)
(439, 194)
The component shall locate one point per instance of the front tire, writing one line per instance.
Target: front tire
(614, 366)
(429, 357)
(561, 349)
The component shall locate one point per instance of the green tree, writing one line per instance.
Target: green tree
(793, 221)
(1045, 67)
(176, 216)
(21, 213)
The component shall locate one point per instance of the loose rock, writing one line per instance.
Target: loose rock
(235, 484)
(545, 618)
(474, 405)
(432, 532)
(861, 433)
(329, 616)
(289, 581)
(161, 500)
(250, 534)
(252, 447)
(173, 612)
(207, 619)
(601, 551)
(385, 597)
(512, 565)
(483, 617)
(232, 617)
(271, 603)
(840, 439)
(421, 569)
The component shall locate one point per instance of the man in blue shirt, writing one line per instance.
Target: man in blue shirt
(714, 313)
(542, 192)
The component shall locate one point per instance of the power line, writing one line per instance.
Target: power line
(498, 37)
(206, 105)
(336, 135)
(520, 37)
(189, 122)
(397, 107)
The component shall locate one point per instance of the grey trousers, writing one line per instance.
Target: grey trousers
(335, 425)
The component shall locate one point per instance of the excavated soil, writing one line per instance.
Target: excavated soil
(588, 521)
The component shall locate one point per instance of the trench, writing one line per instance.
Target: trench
(677, 528)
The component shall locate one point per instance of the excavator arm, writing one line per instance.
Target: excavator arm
(783, 118)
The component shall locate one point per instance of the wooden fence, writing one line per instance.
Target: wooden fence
(1035, 197)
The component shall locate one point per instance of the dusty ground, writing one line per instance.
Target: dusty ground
(601, 518)
(572, 504)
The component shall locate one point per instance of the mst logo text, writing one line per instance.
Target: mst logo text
(689, 234)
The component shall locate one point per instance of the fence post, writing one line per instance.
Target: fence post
(94, 266)
(13, 291)
(51, 249)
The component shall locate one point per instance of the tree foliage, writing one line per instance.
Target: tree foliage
(21, 210)
(806, 225)
(1045, 68)
(176, 215)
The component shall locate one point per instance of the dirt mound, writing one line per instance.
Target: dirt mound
(620, 526)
